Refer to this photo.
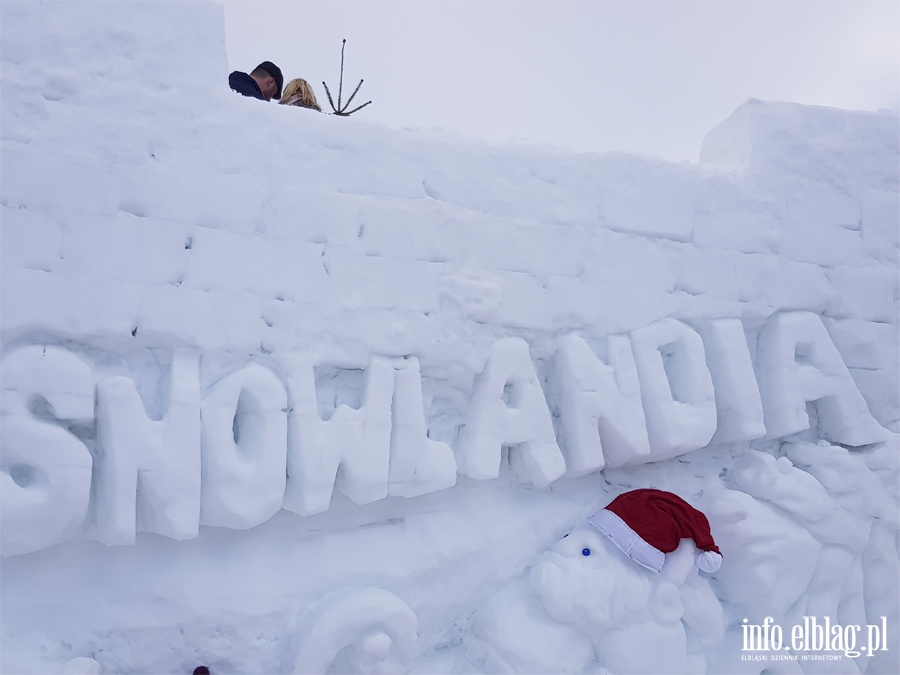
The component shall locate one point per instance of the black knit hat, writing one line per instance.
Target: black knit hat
(275, 72)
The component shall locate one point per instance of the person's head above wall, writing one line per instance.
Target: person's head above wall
(268, 77)
(264, 82)
(298, 92)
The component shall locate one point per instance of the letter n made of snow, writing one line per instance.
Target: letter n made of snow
(147, 471)
(600, 408)
(676, 388)
(799, 364)
(508, 409)
(45, 483)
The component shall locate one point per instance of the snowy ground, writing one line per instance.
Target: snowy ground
(286, 392)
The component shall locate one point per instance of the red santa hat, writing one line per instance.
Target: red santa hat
(646, 524)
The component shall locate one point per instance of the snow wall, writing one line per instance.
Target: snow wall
(291, 392)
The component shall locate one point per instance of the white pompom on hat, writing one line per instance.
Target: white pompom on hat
(646, 524)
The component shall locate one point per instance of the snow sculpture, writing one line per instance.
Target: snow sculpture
(47, 405)
(771, 558)
(842, 535)
(738, 404)
(244, 449)
(81, 665)
(379, 449)
(799, 364)
(147, 472)
(676, 388)
(257, 442)
(600, 407)
(358, 442)
(418, 465)
(585, 606)
(366, 631)
(799, 530)
(508, 409)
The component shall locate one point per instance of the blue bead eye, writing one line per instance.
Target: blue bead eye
(585, 551)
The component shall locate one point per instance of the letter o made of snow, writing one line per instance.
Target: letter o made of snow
(243, 449)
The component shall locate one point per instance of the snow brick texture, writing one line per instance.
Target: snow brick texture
(271, 233)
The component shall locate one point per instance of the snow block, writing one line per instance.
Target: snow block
(382, 282)
(144, 250)
(880, 212)
(69, 304)
(233, 263)
(815, 142)
(662, 210)
(818, 213)
(29, 241)
(807, 285)
(734, 216)
(870, 294)
(699, 272)
(871, 352)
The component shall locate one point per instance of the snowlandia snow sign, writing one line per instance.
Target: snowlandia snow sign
(80, 447)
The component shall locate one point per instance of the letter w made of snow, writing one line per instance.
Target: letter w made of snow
(508, 408)
(381, 448)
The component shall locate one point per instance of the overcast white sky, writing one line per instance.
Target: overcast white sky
(645, 76)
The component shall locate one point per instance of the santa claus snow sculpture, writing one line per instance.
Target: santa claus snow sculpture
(624, 579)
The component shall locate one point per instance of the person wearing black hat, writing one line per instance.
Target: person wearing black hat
(264, 82)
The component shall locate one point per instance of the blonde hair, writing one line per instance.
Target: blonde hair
(300, 87)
